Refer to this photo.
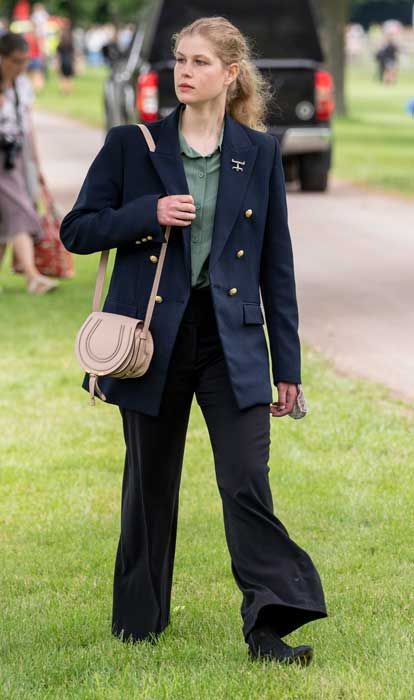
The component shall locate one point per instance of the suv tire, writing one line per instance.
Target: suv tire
(313, 171)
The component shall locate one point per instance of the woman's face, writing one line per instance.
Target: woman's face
(14, 64)
(198, 67)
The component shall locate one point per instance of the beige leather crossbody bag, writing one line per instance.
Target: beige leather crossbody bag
(115, 345)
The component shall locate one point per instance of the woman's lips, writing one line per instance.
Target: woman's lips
(185, 87)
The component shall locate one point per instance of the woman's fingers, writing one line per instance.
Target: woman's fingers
(291, 395)
(181, 202)
(176, 210)
(183, 206)
(286, 398)
(279, 410)
(178, 222)
(185, 198)
(183, 213)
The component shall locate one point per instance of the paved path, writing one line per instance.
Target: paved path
(354, 255)
(67, 148)
(354, 258)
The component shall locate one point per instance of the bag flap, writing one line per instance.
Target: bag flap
(104, 341)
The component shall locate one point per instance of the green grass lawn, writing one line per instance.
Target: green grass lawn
(342, 484)
(85, 103)
(374, 145)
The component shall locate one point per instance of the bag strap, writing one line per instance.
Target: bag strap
(103, 262)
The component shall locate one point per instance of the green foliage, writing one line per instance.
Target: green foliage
(85, 12)
(357, 3)
(342, 484)
(88, 11)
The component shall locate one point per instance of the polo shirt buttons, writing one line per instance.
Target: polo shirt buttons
(232, 291)
(158, 299)
(248, 213)
(153, 258)
(240, 253)
(137, 242)
(149, 238)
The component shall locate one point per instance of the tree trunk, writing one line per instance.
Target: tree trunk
(335, 15)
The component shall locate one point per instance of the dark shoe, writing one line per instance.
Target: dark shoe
(264, 643)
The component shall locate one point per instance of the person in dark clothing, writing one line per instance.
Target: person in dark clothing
(111, 51)
(66, 60)
(387, 59)
(217, 179)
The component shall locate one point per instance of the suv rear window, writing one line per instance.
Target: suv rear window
(279, 29)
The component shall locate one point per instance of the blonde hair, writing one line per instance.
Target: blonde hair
(247, 96)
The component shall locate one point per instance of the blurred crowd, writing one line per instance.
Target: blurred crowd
(53, 43)
(390, 45)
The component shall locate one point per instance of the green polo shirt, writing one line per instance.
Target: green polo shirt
(202, 173)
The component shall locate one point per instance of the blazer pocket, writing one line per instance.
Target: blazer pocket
(252, 314)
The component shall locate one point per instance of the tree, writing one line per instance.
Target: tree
(334, 15)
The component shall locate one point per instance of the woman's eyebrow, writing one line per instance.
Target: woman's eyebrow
(196, 55)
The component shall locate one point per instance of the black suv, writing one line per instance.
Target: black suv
(288, 51)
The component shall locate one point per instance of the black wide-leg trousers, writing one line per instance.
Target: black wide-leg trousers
(278, 580)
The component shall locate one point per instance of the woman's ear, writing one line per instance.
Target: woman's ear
(232, 73)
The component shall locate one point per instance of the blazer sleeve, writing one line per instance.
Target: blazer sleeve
(98, 221)
(277, 283)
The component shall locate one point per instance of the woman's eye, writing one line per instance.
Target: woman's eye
(198, 60)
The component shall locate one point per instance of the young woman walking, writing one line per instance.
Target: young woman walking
(217, 178)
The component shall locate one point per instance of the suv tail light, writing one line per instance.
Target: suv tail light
(324, 96)
(146, 99)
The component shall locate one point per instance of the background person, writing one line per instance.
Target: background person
(36, 67)
(65, 53)
(111, 51)
(387, 59)
(19, 222)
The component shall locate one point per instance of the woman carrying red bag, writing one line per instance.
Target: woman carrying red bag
(19, 222)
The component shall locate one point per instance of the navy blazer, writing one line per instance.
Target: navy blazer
(117, 208)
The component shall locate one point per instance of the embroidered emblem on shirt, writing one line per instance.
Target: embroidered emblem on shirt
(238, 165)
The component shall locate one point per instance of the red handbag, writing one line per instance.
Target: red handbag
(51, 257)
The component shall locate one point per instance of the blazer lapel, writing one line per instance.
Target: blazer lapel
(233, 183)
(168, 163)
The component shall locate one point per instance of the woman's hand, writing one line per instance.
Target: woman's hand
(176, 210)
(286, 398)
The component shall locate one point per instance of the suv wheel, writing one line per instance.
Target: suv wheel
(313, 171)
